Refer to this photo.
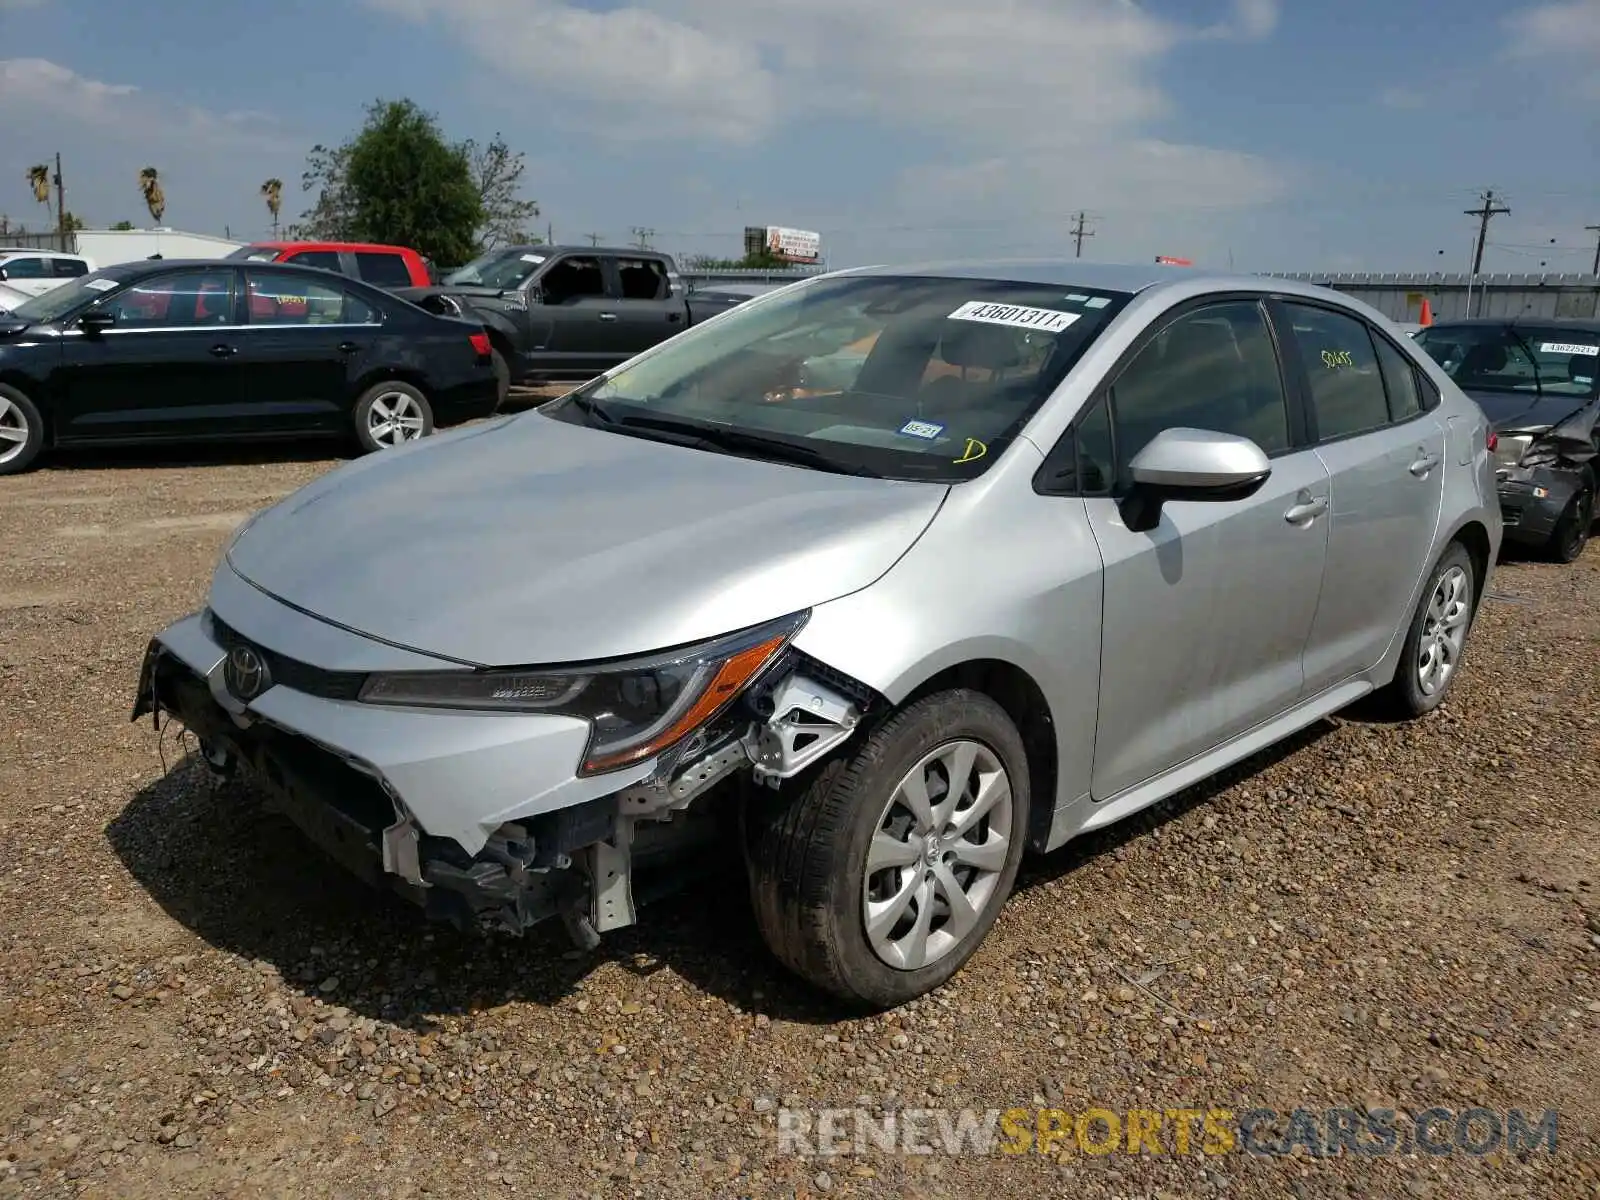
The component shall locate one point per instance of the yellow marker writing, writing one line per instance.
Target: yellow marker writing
(975, 449)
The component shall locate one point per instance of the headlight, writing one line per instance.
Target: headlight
(1508, 451)
(636, 708)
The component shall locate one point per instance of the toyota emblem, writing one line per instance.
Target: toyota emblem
(246, 673)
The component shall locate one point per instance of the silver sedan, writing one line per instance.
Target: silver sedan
(905, 571)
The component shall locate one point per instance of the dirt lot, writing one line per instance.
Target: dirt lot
(193, 1003)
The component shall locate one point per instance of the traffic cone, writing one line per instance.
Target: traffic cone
(1427, 313)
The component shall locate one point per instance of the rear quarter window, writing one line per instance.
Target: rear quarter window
(382, 269)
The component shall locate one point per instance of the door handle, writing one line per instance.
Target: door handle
(348, 347)
(1306, 511)
(608, 316)
(1424, 464)
(223, 350)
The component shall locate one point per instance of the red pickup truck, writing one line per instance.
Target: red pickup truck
(381, 266)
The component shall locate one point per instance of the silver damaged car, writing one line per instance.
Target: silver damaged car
(893, 574)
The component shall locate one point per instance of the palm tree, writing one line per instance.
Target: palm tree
(150, 187)
(39, 181)
(272, 190)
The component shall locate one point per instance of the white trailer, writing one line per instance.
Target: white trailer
(107, 247)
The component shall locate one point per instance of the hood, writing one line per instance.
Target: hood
(1520, 412)
(532, 541)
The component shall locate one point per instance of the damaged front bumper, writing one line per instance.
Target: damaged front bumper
(1533, 499)
(480, 818)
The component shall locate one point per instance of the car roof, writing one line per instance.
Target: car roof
(1576, 324)
(29, 251)
(351, 246)
(144, 266)
(1110, 277)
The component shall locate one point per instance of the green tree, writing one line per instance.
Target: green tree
(497, 174)
(399, 181)
(123, 225)
(72, 221)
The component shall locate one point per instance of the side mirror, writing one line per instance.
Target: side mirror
(96, 321)
(1191, 464)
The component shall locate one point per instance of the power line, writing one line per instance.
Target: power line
(1489, 209)
(1595, 229)
(1079, 233)
(644, 235)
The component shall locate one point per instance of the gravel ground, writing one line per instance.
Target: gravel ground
(193, 1003)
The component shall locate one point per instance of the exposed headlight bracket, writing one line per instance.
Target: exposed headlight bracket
(809, 720)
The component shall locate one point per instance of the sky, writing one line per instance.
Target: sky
(1265, 135)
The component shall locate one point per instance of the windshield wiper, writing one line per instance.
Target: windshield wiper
(727, 437)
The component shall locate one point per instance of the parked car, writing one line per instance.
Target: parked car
(209, 349)
(558, 312)
(35, 272)
(1536, 380)
(382, 266)
(1072, 539)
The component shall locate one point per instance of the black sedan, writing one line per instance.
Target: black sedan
(1538, 382)
(214, 349)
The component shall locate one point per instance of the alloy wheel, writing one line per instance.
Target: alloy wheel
(934, 865)
(1444, 630)
(14, 430)
(395, 417)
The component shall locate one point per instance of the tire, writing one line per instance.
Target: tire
(21, 431)
(502, 377)
(806, 852)
(1571, 533)
(1453, 581)
(407, 403)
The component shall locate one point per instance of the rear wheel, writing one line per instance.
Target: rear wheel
(1437, 638)
(391, 413)
(880, 878)
(1571, 533)
(21, 431)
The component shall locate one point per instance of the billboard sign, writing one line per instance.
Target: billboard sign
(791, 245)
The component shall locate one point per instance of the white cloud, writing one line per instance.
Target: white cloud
(1568, 32)
(1038, 102)
(41, 88)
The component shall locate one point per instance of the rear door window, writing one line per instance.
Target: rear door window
(68, 268)
(382, 269)
(642, 279)
(326, 260)
(1347, 385)
(289, 300)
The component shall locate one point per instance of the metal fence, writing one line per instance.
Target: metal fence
(1399, 296)
(23, 239)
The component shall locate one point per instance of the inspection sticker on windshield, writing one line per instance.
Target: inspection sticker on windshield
(1098, 302)
(1047, 319)
(100, 285)
(533, 258)
(922, 429)
(1568, 348)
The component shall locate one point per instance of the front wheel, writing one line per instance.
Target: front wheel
(21, 431)
(879, 879)
(1437, 637)
(391, 413)
(1571, 533)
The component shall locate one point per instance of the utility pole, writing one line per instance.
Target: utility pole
(644, 236)
(1489, 209)
(594, 238)
(1595, 229)
(61, 205)
(1079, 233)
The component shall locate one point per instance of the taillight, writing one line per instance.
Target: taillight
(480, 344)
(1492, 441)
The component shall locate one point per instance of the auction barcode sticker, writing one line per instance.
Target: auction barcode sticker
(1047, 319)
(1569, 348)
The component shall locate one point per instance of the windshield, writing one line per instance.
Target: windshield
(506, 270)
(257, 253)
(1515, 358)
(902, 376)
(59, 301)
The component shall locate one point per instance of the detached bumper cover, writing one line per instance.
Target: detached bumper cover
(459, 775)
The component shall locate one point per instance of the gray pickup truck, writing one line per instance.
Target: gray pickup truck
(565, 312)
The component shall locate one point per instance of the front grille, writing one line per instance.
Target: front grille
(291, 672)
